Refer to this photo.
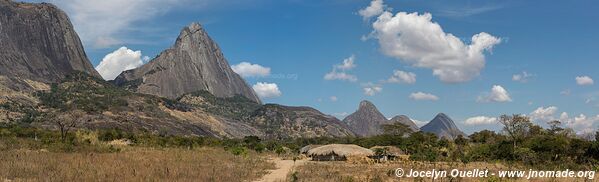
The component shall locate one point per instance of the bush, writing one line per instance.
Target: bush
(239, 151)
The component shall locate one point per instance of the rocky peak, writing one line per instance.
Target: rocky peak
(194, 63)
(38, 42)
(366, 105)
(403, 119)
(443, 126)
(367, 120)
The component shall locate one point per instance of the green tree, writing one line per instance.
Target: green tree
(397, 129)
(516, 127)
(484, 136)
(555, 127)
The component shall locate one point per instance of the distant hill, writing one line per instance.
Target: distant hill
(403, 119)
(241, 116)
(367, 120)
(443, 127)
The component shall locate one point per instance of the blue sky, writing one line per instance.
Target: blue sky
(301, 41)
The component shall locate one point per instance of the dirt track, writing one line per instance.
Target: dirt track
(284, 167)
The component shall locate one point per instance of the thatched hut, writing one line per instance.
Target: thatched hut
(387, 153)
(339, 152)
(305, 149)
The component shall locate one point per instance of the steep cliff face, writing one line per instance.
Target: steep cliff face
(367, 120)
(443, 127)
(193, 64)
(38, 42)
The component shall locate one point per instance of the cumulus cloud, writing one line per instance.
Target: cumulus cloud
(246, 69)
(118, 61)
(347, 64)
(339, 71)
(267, 90)
(423, 96)
(417, 40)
(372, 90)
(402, 77)
(480, 120)
(522, 77)
(334, 98)
(584, 80)
(498, 94)
(103, 23)
(376, 8)
(543, 114)
(580, 123)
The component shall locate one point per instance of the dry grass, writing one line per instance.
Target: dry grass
(344, 171)
(132, 164)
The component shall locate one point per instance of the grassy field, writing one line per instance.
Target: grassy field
(132, 164)
(350, 172)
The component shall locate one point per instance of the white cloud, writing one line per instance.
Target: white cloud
(415, 39)
(402, 77)
(339, 71)
(543, 114)
(566, 92)
(103, 23)
(334, 98)
(480, 120)
(423, 96)
(348, 63)
(372, 90)
(118, 61)
(498, 94)
(340, 76)
(376, 8)
(522, 77)
(267, 90)
(584, 80)
(246, 69)
(340, 114)
(419, 123)
(579, 123)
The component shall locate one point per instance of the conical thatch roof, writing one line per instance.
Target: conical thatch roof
(341, 150)
(390, 150)
(305, 149)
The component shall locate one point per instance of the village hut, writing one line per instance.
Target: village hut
(339, 152)
(387, 153)
(305, 149)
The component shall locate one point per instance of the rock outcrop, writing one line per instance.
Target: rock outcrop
(443, 127)
(193, 64)
(403, 119)
(282, 122)
(38, 42)
(367, 120)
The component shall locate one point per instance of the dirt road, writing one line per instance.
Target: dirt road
(284, 167)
